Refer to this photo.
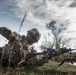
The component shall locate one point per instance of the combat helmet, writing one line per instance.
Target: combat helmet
(35, 34)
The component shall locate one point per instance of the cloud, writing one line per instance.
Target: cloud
(43, 11)
(40, 11)
(8, 7)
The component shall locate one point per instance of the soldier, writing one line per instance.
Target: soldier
(14, 53)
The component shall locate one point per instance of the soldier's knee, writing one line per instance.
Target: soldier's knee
(3, 28)
(6, 32)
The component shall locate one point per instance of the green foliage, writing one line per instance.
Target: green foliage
(50, 68)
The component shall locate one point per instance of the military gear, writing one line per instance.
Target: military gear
(48, 54)
(18, 46)
(6, 32)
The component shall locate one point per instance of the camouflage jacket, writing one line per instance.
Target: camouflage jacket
(17, 47)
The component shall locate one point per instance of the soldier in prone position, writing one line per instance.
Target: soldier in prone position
(14, 53)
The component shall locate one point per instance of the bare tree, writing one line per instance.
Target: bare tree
(56, 35)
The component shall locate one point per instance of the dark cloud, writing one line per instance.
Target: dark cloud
(73, 5)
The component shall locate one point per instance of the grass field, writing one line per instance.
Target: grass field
(50, 68)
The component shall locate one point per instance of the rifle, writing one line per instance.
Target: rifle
(49, 53)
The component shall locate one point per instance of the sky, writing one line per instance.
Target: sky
(38, 14)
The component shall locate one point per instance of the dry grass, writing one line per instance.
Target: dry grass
(50, 68)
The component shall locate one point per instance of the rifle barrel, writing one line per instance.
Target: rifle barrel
(73, 49)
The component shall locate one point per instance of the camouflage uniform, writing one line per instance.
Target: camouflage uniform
(18, 46)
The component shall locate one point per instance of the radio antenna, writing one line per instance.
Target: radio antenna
(22, 23)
